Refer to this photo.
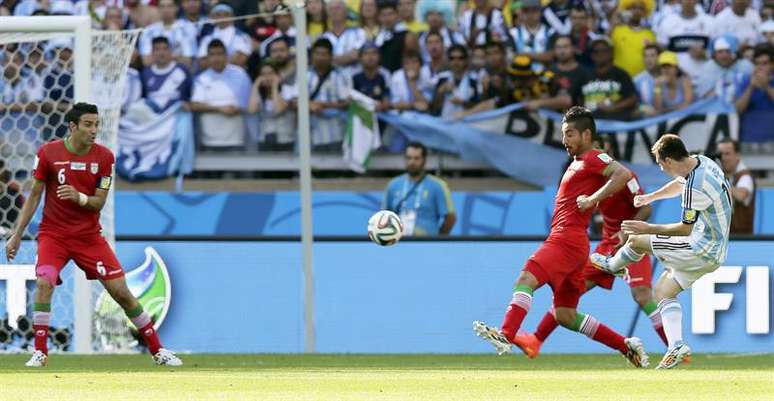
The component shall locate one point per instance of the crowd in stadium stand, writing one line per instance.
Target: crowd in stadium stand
(622, 59)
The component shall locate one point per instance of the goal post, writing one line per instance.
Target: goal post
(95, 72)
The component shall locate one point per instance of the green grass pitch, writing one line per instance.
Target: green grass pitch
(385, 377)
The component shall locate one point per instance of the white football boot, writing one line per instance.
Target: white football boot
(602, 262)
(37, 360)
(167, 358)
(493, 336)
(636, 354)
(679, 353)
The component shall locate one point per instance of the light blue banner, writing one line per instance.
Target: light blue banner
(527, 146)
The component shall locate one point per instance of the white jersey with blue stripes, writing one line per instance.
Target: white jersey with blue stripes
(707, 204)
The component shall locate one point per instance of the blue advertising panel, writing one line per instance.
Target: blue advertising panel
(414, 297)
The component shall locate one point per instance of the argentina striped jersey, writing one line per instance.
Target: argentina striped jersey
(706, 203)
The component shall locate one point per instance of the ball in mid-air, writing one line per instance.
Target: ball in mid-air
(385, 228)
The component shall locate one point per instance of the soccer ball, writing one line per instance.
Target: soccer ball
(385, 228)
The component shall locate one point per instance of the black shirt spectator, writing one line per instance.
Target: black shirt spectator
(610, 93)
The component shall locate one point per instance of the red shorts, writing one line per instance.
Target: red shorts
(92, 254)
(640, 273)
(560, 264)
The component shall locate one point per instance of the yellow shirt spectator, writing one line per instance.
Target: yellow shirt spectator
(628, 44)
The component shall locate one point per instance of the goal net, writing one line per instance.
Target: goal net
(47, 64)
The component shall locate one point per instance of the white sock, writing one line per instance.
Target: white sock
(625, 256)
(672, 320)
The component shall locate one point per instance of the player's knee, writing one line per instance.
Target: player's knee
(638, 243)
(565, 317)
(643, 295)
(44, 285)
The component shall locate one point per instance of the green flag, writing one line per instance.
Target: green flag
(362, 134)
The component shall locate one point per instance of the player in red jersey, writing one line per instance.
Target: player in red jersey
(76, 174)
(559, 262)
(615, 209)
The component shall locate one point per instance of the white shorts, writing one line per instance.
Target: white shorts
(680, 261)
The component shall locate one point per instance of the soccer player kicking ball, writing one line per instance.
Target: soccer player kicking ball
(689, 249)
(615, 209)
(559, 262)
(76, 174)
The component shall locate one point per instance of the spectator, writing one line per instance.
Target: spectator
(220, 95)
(279, 54)
(422, 200)
(739, 20)
(393, 37)
(530, 36)
(687, 33)
(755, 98)
(270, 98)
(165, 82)
(437, 63)
(478, 62)
(115, 19)
(437, 23)
(496, 86)
(630, 37)
(536, 88)
(720, 77)
(369, 18)
(645, 82)
(557, 15)
(456, 89)
(482, 24)
(264, 26)
(610, 93)
(373, 80)
(346, 40)
(581, 36)
(569, 73)
(238, 46)
(328, 90)
(193, 13)
(672, 90)
(407, 13)
(743, 186)
(285, 29)
(317, 18)
(178, 31)
(410, 86)
(58, 88)
(767, 32)
(21, 90)
(11, 200)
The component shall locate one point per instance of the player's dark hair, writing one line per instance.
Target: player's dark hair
(457, 48)
(420, 146)
(582, 119)
(323, 43)
(79, 109)
(216, 44)
(671, 146)
(733, 143)
(160, 39)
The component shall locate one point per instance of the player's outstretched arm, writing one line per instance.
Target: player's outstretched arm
(670, 190)
(93, 203)
(30, 205)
